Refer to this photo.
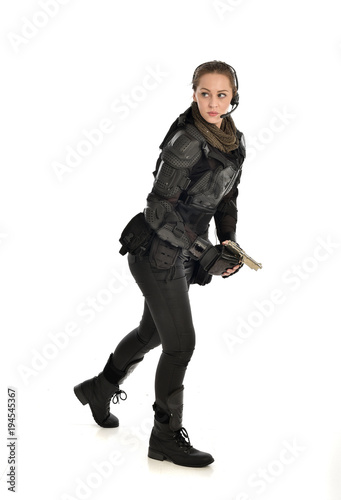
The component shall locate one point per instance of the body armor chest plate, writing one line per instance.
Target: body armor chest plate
(208, 187)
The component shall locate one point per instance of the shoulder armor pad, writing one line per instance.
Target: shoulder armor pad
(183, 150)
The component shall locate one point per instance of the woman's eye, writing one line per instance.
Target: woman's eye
(221, 95)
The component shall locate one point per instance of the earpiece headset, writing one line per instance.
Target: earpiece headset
(235, 99)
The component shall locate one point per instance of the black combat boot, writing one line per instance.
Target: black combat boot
(170, 441)
(98, 392)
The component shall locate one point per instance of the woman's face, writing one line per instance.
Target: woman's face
(213, 95)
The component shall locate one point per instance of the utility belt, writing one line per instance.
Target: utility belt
(138, 238)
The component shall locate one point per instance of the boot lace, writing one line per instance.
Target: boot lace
(115, 399)
(119, 395)
(182, 439)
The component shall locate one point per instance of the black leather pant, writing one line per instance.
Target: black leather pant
(166, 320)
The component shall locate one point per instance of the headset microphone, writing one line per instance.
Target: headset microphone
(235, 99)
(233, 109)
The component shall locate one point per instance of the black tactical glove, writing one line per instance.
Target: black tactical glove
(217, 259)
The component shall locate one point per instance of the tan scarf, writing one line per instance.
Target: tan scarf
(224, 138)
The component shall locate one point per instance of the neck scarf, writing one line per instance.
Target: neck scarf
(224, 138)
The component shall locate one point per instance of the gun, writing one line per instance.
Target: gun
(246, 259)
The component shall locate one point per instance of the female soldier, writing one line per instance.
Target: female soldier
(196, 178)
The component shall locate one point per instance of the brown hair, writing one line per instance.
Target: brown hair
(214, 67)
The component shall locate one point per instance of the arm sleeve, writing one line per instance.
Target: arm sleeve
(226, 216)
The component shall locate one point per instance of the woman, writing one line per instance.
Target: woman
(196, 178)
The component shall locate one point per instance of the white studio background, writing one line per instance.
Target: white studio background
(262, 389)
